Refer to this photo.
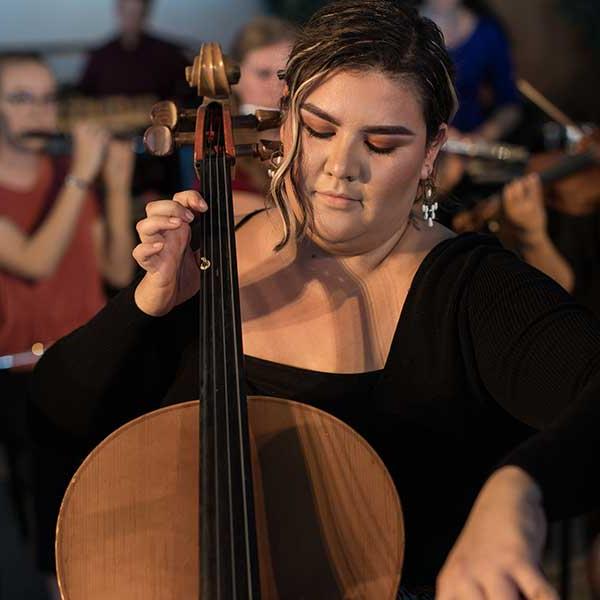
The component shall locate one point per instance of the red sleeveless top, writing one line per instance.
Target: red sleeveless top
(45, 310)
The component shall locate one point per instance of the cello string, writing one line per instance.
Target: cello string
(213, 390)
(207, 382)
(220, 177)
(238, 344)
(203, 461)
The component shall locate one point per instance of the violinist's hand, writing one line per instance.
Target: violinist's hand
(498, 552)
(523, 202)
(165, 254)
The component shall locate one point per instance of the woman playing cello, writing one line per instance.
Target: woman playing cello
(475, 377)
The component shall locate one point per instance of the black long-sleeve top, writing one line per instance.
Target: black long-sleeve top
(492, 363)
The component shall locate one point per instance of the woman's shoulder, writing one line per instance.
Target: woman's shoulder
(475, 262)
(478, 268)
(459, 248)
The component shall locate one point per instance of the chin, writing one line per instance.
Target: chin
(338, 229)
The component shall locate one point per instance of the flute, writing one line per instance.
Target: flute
(59, 144)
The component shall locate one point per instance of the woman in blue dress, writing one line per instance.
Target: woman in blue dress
(488, 97)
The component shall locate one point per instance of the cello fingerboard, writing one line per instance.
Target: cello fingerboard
(229, 564)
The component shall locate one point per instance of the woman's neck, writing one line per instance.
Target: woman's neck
(360, 261)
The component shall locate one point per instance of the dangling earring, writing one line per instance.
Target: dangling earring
(274, 162)
(429, 206)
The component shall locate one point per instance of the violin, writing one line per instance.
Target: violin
(571, 184)
(227, 497)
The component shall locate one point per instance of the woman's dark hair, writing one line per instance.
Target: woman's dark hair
(385, 35)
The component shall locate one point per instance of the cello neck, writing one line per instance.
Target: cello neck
(229, 564)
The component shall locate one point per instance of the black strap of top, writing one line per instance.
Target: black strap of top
(248, 217)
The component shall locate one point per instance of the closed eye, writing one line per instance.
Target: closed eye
(379, 149)
(324, 135)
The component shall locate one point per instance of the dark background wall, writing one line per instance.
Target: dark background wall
(555, 49)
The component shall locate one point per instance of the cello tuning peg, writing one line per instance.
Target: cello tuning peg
(262, 119)
(267, 119)
(158, 140)
(164, 113)
(263, 149)
(266, 149)
(168, 114)
(244, 122)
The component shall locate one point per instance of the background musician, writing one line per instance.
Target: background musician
(489, 106)
(564, 246)
(527, 219)
(57, 248)
(136, 63)
(261, 48)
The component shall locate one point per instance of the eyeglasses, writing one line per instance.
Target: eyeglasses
(27, 99)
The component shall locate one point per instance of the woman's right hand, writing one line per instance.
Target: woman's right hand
(172, 275)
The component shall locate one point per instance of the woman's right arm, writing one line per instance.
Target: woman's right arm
(121, 363)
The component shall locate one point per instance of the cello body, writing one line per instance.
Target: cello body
(328, 518)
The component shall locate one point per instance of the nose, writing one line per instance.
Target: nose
(342, 161)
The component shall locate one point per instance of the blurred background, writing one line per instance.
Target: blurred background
(82, 75)
(555, 42)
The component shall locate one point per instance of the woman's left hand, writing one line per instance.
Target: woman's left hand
(497, 555)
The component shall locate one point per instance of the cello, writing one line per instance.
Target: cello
(227, 497)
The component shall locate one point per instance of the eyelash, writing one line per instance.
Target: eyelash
(328, 134)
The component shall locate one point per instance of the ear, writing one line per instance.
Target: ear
(433, 150)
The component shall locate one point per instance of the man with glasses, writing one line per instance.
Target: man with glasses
(56, 247)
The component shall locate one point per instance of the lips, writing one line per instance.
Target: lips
(338, 195)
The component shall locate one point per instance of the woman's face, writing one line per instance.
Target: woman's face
(364, 153)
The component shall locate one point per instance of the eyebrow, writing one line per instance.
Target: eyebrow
(374, 129)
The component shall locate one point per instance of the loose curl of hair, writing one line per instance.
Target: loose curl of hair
(359, 35)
